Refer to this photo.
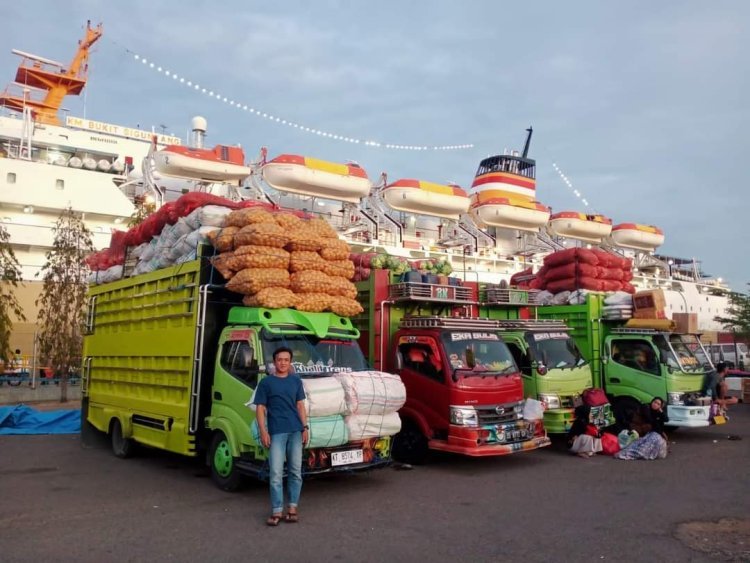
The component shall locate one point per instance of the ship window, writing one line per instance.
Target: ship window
(60, 184)
(11, 178)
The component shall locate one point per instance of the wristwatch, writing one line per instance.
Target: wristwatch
(306, 427)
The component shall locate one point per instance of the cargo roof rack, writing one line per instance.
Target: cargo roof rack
(533, 324)
(449, 322)
(495, 294)
(638, 331)
(412, 291)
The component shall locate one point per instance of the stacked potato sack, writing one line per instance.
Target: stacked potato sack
(579, 268)
(278, 259)
(326, 406)
(373, 399)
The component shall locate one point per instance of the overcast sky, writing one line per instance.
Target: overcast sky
(644, 105)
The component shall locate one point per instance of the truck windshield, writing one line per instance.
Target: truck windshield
(555, 349)
(490, 353)
(696, 347)
(676, 353)
(313, 356)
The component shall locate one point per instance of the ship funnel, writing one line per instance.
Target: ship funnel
(198, 125)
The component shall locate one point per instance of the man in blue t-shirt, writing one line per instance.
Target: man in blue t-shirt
(282, 422)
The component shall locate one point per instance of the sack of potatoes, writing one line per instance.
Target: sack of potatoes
(334, 249)
(271, 298)
(288, 221)
(252, 280)
(321, 228)
(261, 234)
(254, 256)
(301, 260)
(344, 306)
(313, 302)
(248, 216)
(310, 281)
(304, 239)
(343, 268)
(223, 239)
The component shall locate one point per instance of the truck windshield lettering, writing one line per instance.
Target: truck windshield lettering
(458, 336)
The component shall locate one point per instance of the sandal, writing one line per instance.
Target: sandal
(274, 520)
(291, 517)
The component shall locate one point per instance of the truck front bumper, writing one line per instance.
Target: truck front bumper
(689, 416)
(473, 442)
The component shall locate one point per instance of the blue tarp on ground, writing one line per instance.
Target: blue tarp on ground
(20, 419)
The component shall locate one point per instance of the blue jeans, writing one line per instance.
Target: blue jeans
(289, 446)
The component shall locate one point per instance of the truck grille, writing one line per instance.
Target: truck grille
(500, 414)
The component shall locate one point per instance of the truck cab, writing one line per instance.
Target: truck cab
(553, 370)
(464, 391)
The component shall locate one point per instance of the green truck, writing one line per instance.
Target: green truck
(553, 369)
(634, 365)
(171, 358)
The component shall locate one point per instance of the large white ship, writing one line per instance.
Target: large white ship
(496, 229)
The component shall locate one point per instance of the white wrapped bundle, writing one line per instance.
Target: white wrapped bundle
(363, 426)
(324, 396)
(372, 392)
(212, 215)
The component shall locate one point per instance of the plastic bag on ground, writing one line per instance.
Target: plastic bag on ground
(533, 409)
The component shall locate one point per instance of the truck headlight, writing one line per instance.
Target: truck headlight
(675, 398)
(464, 416)
(550, 401)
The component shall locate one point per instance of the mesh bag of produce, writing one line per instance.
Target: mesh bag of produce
(342, 287)
(304, 239)
(222, 263)
(334, 249)
(252, 280)
(275, 298)
(250, 301)
(248, 216)
(252, 256)
(344, 306)
(301, 260)
(261, 234)
(310, 281)
(321, 228)
(223, 240)
(343, 268)
(313, 302)
(287, 221)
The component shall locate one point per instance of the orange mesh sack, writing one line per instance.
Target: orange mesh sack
(343, 268)
(261, 234)
(334, 249)
(248, 216)
(222, 263)
(345, 307)
(287, 221)
(342, 287)
(313, 302)
(321, 228)
(310, 281)
(304, 239)
(252, 280)
(223, 240)
(259, 257)
(275, 298)
(301, 260)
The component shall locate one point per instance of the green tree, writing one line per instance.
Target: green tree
(10, 275)
(62, 303)
(142, 210)
(737, 317)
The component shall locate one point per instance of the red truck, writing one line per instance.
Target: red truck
(464, 390)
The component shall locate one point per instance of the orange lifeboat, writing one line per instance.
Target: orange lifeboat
(426, 198)
(316, 178)
(493, 209)
(575, 225)
(639, 237)
(220, 164)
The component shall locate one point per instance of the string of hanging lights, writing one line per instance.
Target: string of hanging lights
(568, 183)
(244, 107)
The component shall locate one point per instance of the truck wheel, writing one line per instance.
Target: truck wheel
(121, 447)
(223, 468)
(410, 445)
(625, 408)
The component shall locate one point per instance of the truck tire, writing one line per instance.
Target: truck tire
(410, 445)
(122, 447)
(624, 409)
(224, 471)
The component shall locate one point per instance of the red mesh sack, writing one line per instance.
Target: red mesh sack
(560, 257)
(567, 284)
(586, 256)
(628, 288)
(611, 285)
(561, 272)
(587, 270)
(627, 275)
(610, 273)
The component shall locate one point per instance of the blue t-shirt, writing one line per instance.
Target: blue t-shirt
(280, 396)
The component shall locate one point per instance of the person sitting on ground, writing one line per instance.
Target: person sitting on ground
(583, 437)
(649, 421)
(721, 390)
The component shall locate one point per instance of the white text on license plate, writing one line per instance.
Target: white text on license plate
(347, 457)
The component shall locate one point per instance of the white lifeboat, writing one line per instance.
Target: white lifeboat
(312, 177)
(580, 226)
(220, 164)
(639, 237)
(426, 198)
(495, 211)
